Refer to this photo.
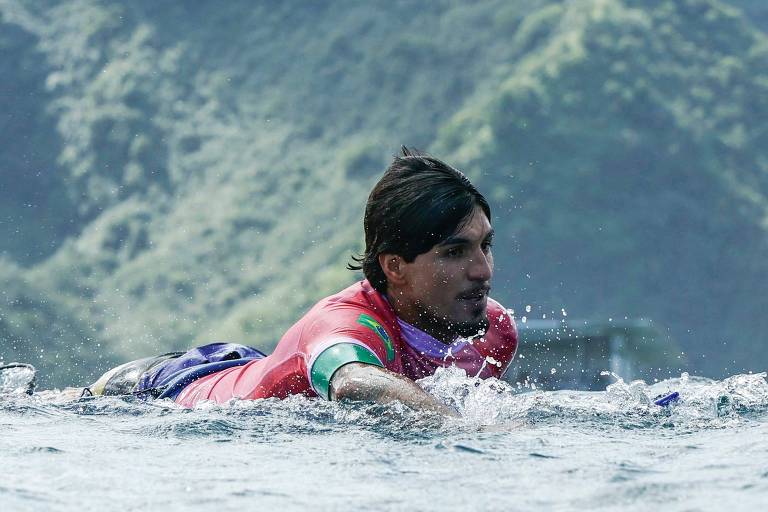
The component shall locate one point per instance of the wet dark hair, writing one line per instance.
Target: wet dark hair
(418, 202)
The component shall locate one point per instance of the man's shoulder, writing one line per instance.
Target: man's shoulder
(360, 295)
(357, 315)
(357, 292)
(500, 340)
(357, 299)
(500, 320)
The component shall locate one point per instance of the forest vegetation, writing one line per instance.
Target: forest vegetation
(174, 173)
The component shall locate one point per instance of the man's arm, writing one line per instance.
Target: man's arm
(360, 381)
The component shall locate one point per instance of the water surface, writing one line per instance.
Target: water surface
(512, 449)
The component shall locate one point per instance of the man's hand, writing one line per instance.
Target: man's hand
(359, 381)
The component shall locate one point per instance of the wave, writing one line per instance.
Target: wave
(703, 402)
(483, 404)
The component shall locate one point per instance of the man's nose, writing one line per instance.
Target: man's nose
(480, 266)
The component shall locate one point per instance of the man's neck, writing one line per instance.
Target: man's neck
(413, 314)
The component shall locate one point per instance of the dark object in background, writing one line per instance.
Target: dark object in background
(580, 354)
(17, 378)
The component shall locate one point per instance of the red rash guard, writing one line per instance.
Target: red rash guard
(355, 325)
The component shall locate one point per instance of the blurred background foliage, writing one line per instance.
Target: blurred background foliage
(173, 173)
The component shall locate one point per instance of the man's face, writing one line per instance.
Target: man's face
(449, 284)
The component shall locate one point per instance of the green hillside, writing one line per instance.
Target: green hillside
(632, 143)
(174, 173)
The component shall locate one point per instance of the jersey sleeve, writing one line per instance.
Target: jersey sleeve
(341, 336)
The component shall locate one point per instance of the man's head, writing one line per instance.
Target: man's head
(427, 245)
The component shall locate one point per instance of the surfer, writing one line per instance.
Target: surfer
(424, 304)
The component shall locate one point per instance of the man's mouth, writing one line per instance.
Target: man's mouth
(475, 295)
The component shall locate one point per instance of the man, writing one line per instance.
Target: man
(423, 305)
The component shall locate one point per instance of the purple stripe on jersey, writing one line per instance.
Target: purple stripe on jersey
(426, 344)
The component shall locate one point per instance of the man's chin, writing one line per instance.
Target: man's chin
(475, 318)
(465, 324)
(469, 329)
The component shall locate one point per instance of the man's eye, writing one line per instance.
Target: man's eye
(454, 252)
(487, 246)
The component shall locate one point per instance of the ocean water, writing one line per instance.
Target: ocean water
(513, 448)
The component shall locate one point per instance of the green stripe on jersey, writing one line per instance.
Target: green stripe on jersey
(333, 358)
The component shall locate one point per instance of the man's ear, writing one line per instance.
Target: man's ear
(393, 267)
